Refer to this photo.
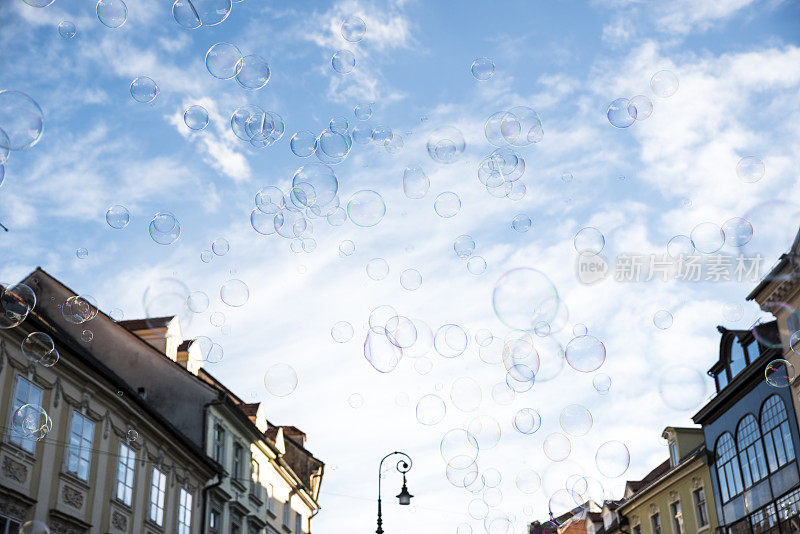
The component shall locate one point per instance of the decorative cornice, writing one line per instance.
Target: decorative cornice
(15, 470)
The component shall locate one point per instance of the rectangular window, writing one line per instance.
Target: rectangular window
(271, 498)
(158, 490)
(677, 519)
(79, 452)
(213, 521)
(8, 525)
(793, 322)
(637, 529)
(238, 454)
(126, 468)
(24, 393)
(699, 497)
(298, 523)
(673, 453)
(722, 380)
(255, 479)
(219, 444)
(655, 523)
(185, 512)
(286, 510)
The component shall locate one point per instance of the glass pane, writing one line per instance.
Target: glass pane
(737, 358)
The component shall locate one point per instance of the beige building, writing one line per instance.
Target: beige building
(267, 482)
(110, 463)
(677, 496)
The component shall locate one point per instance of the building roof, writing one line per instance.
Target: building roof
(636, 485)
(774, 273)
(135, 325)
(660, 473)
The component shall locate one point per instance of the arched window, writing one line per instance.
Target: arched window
(751, 451)
(775, 429)
(730, 478)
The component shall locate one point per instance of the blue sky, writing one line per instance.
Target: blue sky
(738, 63)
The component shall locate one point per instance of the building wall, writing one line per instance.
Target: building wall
(678, 487)
(751, 403)
(38, 485)
(269, 502)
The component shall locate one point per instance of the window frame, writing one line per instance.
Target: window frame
(751, 451)
(727, 469)
(185, 501)
(673, 453)
(81, 447)
(219, 443)
(237, 462)
(700, 507)
(126, 474)
(655, 523)
(676, 513)
(15, 438)
(298, 523)
(778, 433)
(287, 509)
(271, 499)
(255, 478)
(155, 509)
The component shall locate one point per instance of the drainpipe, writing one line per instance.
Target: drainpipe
(315, 512)
(218, 476)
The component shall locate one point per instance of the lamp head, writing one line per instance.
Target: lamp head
(404, 497)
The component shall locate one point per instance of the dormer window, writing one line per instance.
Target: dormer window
(673, 453)
(752, 351)
(737, 358)
(722, 379)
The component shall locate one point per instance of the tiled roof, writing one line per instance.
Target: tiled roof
(662, 468)
(134, 325)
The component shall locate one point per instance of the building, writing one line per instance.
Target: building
(674, 498)
(266, 480)
(111, 463)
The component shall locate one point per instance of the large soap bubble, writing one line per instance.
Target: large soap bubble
(21, 119)
(366, 208)
(523, 297)
(446, 144)
(381, 353)
(16, 302)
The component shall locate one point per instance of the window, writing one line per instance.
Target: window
(213, 521)
(286, 510)
(775, 428)
(677, 517)
(793, 322)
(722, 379)
(730, 478)
(298, 523)
(24, 393)
(236, 526)
(673, 453)
(8, 525)
(752, 351)
(255, 479)
(79, 452)
(126, 467)
(699, 497)
(737, 362)
(764, 520)
(238, 453)
(271, 498)
(219, 444)
(185, 512)
(751, 451)
(637, 529)
(158, 489)
(655, 523)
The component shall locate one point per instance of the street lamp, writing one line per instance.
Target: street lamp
(404, 497)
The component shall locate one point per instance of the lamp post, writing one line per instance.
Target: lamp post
(404, 498)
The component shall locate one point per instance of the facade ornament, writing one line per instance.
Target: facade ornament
(72, 497)
(673, 496)
(15, 470)
(653, 509)
(119, 521)
(696, 483)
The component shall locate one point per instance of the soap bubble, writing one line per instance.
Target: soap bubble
(527, 421)
(464, 246)
(197, 302)
(502, 394)
(411, 279)
(381, 353)
(750, 169)
(602, 383)
(191, 14)
(377, 268)
(342, 332)
(459, 448)
(612, 459)
(779, 373)
(31, 422)
(557, 447)
(465, 393)
(732, 311)
(303, 143)
(431, 410)
(144, 89)
(252, 72)
(38, 347)
(167, 297)
(681, 388)
(366, 208)
(482, 69)
(738, 232)
(16, 301)
(314, 185)
(234, 293)
(447, 204)
(585, 353)
(707, 238)
(664, 83)
(575, 420)
(223, 61)
(86, 336)
(347, 248)
(79, 309)
(680, 245)
(521, 223)
(333, 147)
(38, 3)
(353, 29)
(66, 29)
(217, 319)
(523, 297)
(446, 144)
(363, 111)
(640, 107)
(195, 117)
(662, 319)
(618, 114)
(280, 380)
(528, 481)
(450, 341)
(343, 61)
(263, 223)
(81, 253)
(220, 246)
(112, 13)
(164, 228)
(21, 120)
(415, 182)
(589, 240)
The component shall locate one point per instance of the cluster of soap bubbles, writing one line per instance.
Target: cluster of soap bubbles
(708, 237)
(258, 127)
(500, 173)
(39, 348)
(353, 29)
(464, 247)
(623, 112)
(225, 61)
(164, 228)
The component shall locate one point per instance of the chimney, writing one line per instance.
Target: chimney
(295, 434)
(162, 333)
(189, 355)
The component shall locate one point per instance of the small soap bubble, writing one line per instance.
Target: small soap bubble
(66, 29)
